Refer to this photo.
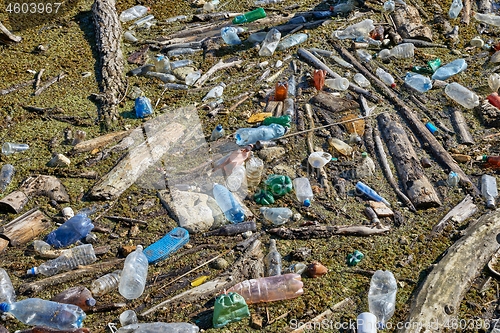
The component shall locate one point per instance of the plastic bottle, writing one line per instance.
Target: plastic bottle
(430, 126)
(448, 70)
(489, 190)
(291, 41)
(45, 329)
(69, 259)
(340, 146)
(133, 13)
(6, 175)
(192, 77)
(319, 76)
(289, 107)
(257, 37)
(292, 86)
(382, 296)
(146, 22)
(269, 289)
(366, 323)
(182, 51)
(158, 327)
(230, 35)
(418, 82)
(319, 159)
(389, 6)
(11, 148)
(36, 311)
(129, 37)
(236, 179)
(270, 43)
(303, 190)
(491, 161)
(180, 63)
(364, 55)
(340, 83)
(254, 167)
(211, 5)
(361, 80)
(494, 82)
(71, 231)
(78, 295)
(370, 193)
(366, 167)
(7, 293)
(455, 8)
(385, 77)
(273, 260)
(277, 216)
(361, 29)
(490, 19)
(401, 51)
(229, 308)
(250, 16)
(247, 136)
(284, 121)
(230, 207)
(106, 283)
(143, 107)
(232, 229)
(215, 92)
(462, 95)
(164, 77)
(134, 274)
(217, 133)
(128, 317)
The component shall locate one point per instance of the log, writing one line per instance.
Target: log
(465, 209)
(108, 34)
(328, 231)
(26, 227)
(411, 173)
(16, 87)
(7, 37)
(99, 142)
(333, 103)
(438, 299)
(409, 24)
(14, 202)
(461, 127)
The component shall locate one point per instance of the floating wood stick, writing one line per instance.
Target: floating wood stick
(465, 209)
(327, 231)
(49, 82)
(7, 37)
(218, 66)
(466, 12)
(461, 126)
(38, 78)
(16, 87)
(26, 227)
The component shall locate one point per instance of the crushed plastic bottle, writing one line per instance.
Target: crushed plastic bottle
(143, 107)
(133, 13)
(11, 148)
(229, 308)
(382, 296)
(250, 16)
(418, 82)
(6, 175)
(401, 51)
(71, 231)
(7, 293)
(158, 327)
(247, 136)
(364, 55)
(269, 289)
(134, 274)
(106, 283)
(277, 216)
(339, 84)
(385, 77)
(491, 19)
(270, 43)
(303, 191)
(489, 190)
(217, 133)
(453, 179)
(389, 6)
(491, 161)
(448, 70)
(292, 40)
(278, 185)
(319, 159)
(228, 204)
(354, 258)
(366, 168)
(462, 95)
(361, 80)
(69, 259)
(128, 317)
(370, 193)
(230, 35)
(455, 8)
(78, 295)
(361, 29)
(192, 77)
(215, 92)
(273, 260)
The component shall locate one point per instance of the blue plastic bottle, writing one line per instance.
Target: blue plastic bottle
(418, 82)
(143, 107)
(448, 70)
(370, 193)
(36, 311)
(228, 204)
(247, 136)
(230, 35)
(71, 231)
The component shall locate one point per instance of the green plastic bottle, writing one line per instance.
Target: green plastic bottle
(279, 185)
(229, 308)
(283, 120)
(250, 16)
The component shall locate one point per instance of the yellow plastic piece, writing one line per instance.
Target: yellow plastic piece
(258, 117)
(199, 281)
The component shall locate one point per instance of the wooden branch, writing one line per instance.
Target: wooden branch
(322, 316)
(461, 127)
(217, 67)
(431, 115)
(418, 188)
(466, 12)
(327, 231)
(49, 82)
(108, 33)
(418, 127)
(7, 37)
(38, 78)
(37, 286)
(438, 299)
(48, 186)
(465, 209)
(16, 87)
(26, 227)
(98, 142)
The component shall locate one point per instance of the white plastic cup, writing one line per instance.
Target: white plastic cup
(366, 323)
(319, 159)
(128, 317)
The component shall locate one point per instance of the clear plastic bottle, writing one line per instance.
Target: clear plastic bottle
(71, 231)
(385, 77)
(364, 55)
(217, 133)
(192, 77)
(494, 82)
(370, 193)
(382, 296)
(340, 146)
(134, 274)
(389, 6)
(236, 179)
(147, 22)
(230, 207)
(133, 13)
(215, 92)
(489, 190)
(269, 289)
(256, 37)
(6, 175)
(159, 327)
(401, 51)
(455, 8)
(36, 311)
(361, 80)
(69, 259)
(230, 35)
(462, 95)
(182, 51)
(319, 159)
(106, 283)
(11, 148)
(270, 43)
(490, 19)
(78, 295)
(180, 63)
(254, 167)
(292, 86)
(303, 190)
(418, 82)
(247, 136)
(340, 83)
(164, 77)
(291, 41)
(289, 107)
(128, 317)
(448, 70)
(366, 168)
(361, 29)
(7, 293)
(273, 260)
(277, 216)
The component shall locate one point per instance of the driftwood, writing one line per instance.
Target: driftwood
(38, 78)
(465, 209)
(26, 227)
(7, 37)
(462, 128)
(217, 67)
(409, 24)
(14, 202)
(333, 103)
(327, 231)
(322, 316)
(16, 87)
(99, 142)
(36, 286)
(48, 83)
(437, 149)
(439, 297)
(418, 188)
(108, 34)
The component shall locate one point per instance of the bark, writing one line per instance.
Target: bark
(460, 125)
(108, 37)
(25, 228)
(14, 202)
(327, 231)
(465, 209)
(333, 103)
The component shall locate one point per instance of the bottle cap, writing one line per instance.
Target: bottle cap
(307, 202)
(90, 302)
(364, 154)
(485, 158)
(32, 271)
(4, 307)
(218, 127)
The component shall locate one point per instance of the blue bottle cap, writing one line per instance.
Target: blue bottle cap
(307, 202)
(219, 127)
(4, 307)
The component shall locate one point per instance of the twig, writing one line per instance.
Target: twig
(50, 82)
(277, 318)
(16, 87)
(38, 78)
(238, 103)
(218, 66)
(125, 219)
(7, 37)
(322, 316)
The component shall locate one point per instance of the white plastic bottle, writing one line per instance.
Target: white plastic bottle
(7, 293)
(401, 51)
(133, 13)
(134, 274)
(340, 83)
(303, 190)
(270, 43)
(385, 77)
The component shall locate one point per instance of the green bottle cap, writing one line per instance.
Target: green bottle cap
(250, 16)
(485, 158)
(364, 154)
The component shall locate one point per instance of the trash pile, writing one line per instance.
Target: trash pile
(280, 167)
